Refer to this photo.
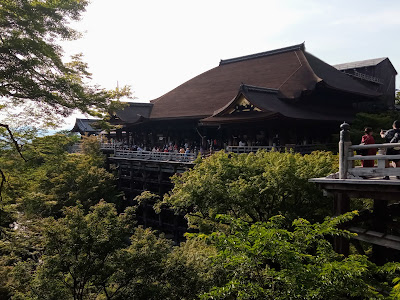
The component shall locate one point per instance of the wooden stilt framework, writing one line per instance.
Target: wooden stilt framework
(379, 227)
(140, 173)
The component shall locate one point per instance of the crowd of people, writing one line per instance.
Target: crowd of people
(175, 149)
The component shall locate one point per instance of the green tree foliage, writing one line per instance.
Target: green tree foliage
(31, 62)
(89, 255)
(254, 187)
(189, 270)
(36, 85)
(42, 186)
(267, 261)
(52, 178)
(90, 147)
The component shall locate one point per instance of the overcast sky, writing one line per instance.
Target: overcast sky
(154, 46)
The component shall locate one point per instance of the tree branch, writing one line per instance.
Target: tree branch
(18, 147)
(3, 180)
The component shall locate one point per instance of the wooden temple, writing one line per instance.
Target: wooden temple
(377, 74)
(280, 98)
(286, 95)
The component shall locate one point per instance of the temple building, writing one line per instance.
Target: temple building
(281, 97)
(86, 127)
(376, 74)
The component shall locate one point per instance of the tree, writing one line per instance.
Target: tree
(267, 260)
(189, 270)
(90, 255)
(34, 79)
(52, 178)
(253, 187)
(31, 62)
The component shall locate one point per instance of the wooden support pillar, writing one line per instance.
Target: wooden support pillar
(144, 176)
(108, 162)
(119, 175)
(131, 175)
(341, 206)
(127, 137)
(344, 145)
(160, 221)
(379, 225)
(341, 200)
(145, 215)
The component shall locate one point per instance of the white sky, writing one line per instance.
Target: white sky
(156, 45)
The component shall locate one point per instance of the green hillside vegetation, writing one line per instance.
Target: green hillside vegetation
(263, 231)
(70, 238)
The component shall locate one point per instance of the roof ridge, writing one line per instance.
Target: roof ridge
(246, 87)
(262, 54)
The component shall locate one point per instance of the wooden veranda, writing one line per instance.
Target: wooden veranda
(379, 226)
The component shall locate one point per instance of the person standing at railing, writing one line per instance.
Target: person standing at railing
(187, 152)
(392, 136)
(368, 139)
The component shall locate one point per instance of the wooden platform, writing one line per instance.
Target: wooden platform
(372, 188)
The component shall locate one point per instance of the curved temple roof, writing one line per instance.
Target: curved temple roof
(270, 106)
(289, 70)
(133, 112)
(85, 126)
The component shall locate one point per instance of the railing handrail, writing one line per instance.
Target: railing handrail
(374, 157)
(372, 146)
(158, 156)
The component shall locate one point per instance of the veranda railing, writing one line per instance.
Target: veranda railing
(347, 168)
(157, 156)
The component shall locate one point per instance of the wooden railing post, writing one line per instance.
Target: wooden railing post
(344, 144)
(342, 201)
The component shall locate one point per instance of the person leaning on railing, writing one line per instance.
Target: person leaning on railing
(368, 139)
(392, 136)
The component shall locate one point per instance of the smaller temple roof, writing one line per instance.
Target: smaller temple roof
(134, 112)
(85, 126)
(360, 63)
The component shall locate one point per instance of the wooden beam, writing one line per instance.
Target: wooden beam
(375, 172)
(376, 238)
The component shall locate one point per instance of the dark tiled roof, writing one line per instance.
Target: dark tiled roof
(85, 125)
(360, 64)
(134, 112)
(336, 79)
(290, 70)
(271, 106)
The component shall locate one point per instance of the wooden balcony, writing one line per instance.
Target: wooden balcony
(369, 183)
